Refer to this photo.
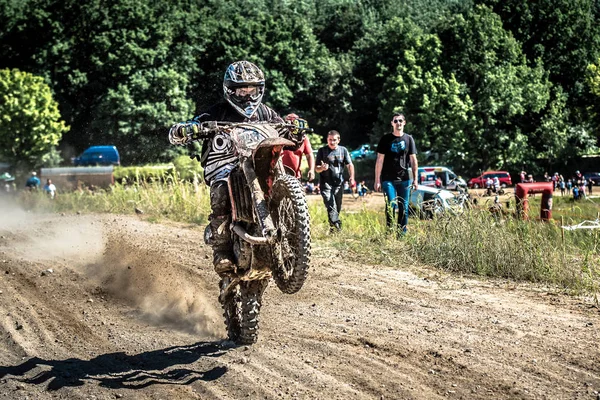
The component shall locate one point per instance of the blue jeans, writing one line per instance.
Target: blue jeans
(396, 200)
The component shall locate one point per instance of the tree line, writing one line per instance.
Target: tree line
(484, 84)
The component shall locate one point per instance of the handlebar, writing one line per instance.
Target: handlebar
(189, 132)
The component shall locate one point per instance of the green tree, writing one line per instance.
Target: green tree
(438, 108)
(122, 73)
(378, 55)
(488, 61)
(593, 83)
(30, 123)
(593, 78)
(564, 34)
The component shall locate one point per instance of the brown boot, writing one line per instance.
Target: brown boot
(223, 260)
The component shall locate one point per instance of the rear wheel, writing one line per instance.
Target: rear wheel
(241, 308)
(291, 253)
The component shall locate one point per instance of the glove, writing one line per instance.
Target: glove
(184, 132)
(177, 134)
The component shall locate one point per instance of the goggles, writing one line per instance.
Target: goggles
(244, 91)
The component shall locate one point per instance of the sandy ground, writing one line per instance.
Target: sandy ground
(104, 307)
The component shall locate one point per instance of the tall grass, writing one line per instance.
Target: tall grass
(166, 198)
(475, 243)
(481, 244)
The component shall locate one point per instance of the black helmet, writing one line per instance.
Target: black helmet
(244, 87)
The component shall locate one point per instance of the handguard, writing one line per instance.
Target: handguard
(186, 132)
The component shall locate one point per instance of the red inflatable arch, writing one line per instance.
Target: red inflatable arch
(524, 189)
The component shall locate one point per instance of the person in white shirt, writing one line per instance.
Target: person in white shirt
(50, 188)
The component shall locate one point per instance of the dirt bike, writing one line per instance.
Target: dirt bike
(270, 222)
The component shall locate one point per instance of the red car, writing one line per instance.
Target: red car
(479, 182)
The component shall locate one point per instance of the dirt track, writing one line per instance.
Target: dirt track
(130, 310)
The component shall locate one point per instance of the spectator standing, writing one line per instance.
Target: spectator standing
(523, 176)
(331, 160)
(563, 187)
(496, 181)
(292, 159)
(582, 187)
(396, 156)
(590, 183)
(33, 183)
(554, 181)
(50, 189)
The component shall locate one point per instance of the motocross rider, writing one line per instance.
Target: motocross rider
(243, 89)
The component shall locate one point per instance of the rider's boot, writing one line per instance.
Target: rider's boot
(223, 259)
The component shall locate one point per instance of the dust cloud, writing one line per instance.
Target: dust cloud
(165, 293)
(48, 238)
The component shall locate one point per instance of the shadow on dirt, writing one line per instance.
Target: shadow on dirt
(122, 371)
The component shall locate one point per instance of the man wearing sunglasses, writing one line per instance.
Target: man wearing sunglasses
(396, 156)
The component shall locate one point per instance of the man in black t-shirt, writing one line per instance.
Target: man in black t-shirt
(331, 160)
(396, 158)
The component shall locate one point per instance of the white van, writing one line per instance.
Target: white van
(449, 180)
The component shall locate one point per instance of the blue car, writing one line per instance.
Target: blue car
(98, 155)
(364, 152)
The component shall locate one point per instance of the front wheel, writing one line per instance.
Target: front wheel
(291, 253)
(241, 308)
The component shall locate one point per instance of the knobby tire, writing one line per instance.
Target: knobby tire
(241, 309)
(289, 211)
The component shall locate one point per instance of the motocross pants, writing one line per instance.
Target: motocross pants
(219, 225)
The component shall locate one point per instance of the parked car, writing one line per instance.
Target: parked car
(427, 202)
(594, 176)
(449, 180)
(364, 152)
(98, 155)
(479, 182)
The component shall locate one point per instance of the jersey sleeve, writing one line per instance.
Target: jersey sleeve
(412, 147)
(347, 158)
